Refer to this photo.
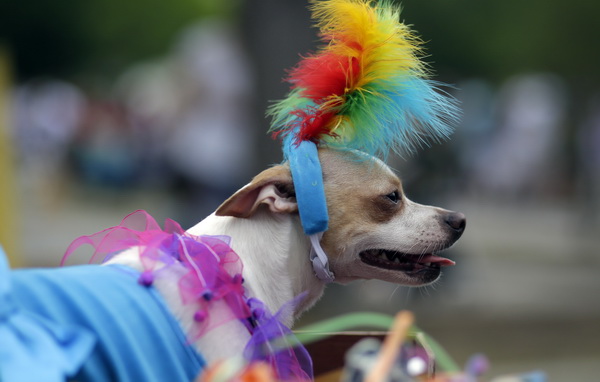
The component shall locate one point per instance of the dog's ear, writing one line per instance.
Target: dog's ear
(272, 187)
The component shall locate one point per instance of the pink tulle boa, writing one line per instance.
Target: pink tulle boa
(212, 274)
(213, 271)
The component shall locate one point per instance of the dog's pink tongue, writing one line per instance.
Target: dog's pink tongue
(441, 261)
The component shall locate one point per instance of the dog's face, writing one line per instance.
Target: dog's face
(375, 232)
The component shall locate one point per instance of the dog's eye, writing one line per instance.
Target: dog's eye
(394, 197)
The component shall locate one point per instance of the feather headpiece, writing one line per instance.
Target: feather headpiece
(365, 88)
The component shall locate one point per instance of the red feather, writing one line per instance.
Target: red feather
(325, 75)
(313, 124)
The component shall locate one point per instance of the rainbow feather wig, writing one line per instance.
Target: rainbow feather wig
(366, 87)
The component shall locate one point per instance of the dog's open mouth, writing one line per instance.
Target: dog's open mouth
(404, 262)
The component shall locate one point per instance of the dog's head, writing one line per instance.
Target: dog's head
(375, 231)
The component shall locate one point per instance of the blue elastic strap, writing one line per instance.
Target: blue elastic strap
(308, 184)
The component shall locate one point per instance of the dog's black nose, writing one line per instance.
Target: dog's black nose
(457, 221)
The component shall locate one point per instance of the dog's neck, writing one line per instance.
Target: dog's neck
(275, 257)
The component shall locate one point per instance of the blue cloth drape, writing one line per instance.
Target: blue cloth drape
(88, 323)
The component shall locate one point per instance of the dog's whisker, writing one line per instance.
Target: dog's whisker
(392, 294)
(425, 251)
(411, 247)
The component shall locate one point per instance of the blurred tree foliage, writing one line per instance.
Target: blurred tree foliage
(492, 39)
(69, 38)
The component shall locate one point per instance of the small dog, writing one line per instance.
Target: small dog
(375, 232)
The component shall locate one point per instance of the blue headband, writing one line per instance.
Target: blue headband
(308, 184)
(310, 196)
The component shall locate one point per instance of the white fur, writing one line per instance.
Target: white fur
(274, 252)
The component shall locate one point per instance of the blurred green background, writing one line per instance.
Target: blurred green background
(465, 37)
(109, 106)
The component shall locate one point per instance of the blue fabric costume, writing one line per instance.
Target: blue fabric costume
(69, 324)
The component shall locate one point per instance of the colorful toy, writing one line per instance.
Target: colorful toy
(407, 354)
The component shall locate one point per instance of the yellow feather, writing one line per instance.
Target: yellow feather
(371, 34)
